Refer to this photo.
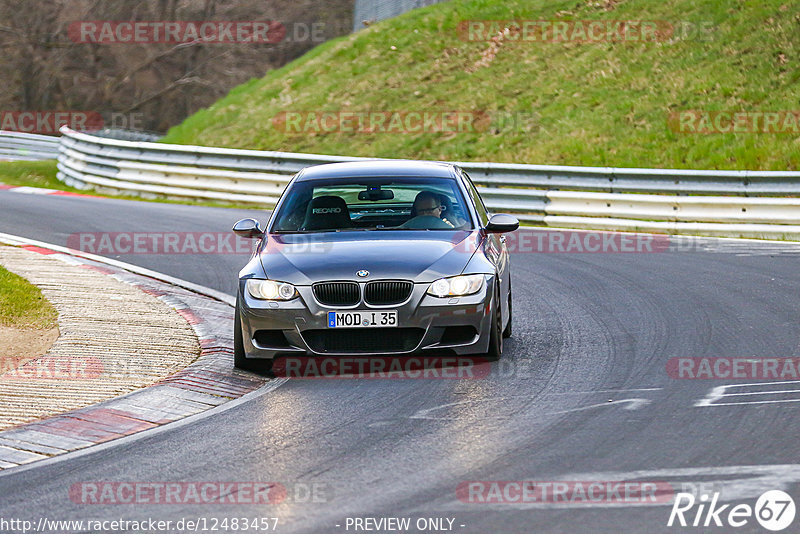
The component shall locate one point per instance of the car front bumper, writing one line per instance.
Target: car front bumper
(458, 325)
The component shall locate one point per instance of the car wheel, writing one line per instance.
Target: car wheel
(496, 335)
(239, 359)
(507, 331)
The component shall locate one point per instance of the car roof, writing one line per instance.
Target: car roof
(377, 168)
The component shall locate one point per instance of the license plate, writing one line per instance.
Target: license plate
(362, 319)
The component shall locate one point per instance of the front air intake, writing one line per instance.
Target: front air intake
(363, 340)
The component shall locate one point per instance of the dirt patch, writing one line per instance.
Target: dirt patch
(17, 345)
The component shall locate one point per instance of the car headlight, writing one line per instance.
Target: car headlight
(270, 290)
(456, 286)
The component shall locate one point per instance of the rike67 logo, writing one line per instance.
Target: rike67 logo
(774, 510)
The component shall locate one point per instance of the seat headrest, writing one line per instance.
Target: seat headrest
(327, 213)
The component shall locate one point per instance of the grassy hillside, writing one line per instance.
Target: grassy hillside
(602, 103)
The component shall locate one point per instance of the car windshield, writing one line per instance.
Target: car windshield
(372, 204)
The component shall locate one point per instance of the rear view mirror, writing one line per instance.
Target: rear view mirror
(248, 228)
(376, 194)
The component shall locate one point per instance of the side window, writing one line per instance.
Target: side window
(483, 214)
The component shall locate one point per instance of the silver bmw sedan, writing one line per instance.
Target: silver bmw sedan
(375, 258)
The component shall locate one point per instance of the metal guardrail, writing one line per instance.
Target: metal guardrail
(128, 135)
(374, 10)
(28, 147)
(723, 203)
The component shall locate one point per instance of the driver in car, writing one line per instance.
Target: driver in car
(428, 205)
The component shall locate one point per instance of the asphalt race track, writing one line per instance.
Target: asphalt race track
(582, 393)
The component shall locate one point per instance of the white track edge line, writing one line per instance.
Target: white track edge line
(196, 288)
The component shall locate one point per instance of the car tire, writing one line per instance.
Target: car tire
(507, 331)
(496, 333)
(240, 361)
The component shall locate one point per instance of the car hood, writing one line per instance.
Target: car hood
(420, 256)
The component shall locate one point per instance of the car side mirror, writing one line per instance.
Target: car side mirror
(501, 223)
(248, 228)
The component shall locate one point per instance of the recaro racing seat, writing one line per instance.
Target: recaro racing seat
(327, 213)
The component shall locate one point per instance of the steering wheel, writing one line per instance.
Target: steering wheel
(426, 222)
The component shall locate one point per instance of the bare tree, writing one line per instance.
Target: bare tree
(44, 69)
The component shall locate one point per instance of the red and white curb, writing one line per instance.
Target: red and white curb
(42, 191)
(209, 382)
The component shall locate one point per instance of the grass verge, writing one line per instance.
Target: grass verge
(22, 304)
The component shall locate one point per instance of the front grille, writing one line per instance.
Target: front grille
(337, 293)
(384, 293)
(363, 340)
